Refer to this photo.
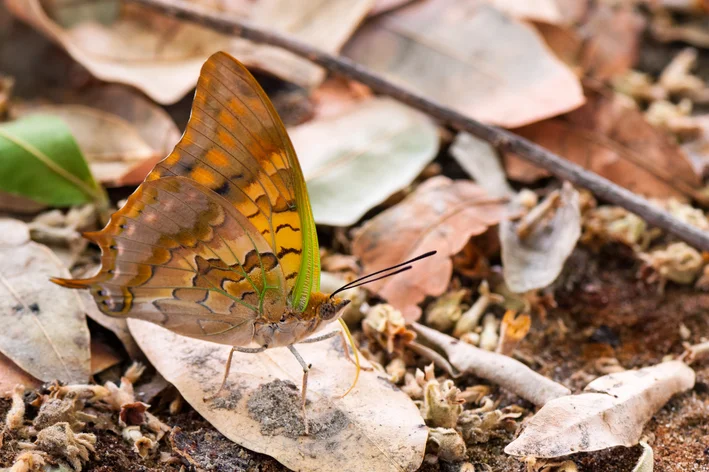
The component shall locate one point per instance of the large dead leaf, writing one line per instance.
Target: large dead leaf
(615, 141)
(471, 57)
(162, 56)
(375, 427)
(355, 161)
(44, 327)
(611, 411)
(440, 215)
(534, 260)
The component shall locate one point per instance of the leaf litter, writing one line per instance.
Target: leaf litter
(595, 322)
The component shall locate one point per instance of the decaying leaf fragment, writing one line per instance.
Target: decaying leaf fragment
(375, 427)
(611, 411)
(535, 259)
(44, 327)
(442, 215)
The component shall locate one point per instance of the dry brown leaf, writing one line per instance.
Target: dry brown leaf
(11, 375)
(611, 411)
(615, 141)
(471, 57)
(375, 427)
(611, 40)
(102, 357)
(536, 260)
(162, 56)
(45, 331)
(606, 45)
(440, 215)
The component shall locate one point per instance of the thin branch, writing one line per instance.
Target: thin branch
(499, 138)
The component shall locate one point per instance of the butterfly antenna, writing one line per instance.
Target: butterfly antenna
(402, 267)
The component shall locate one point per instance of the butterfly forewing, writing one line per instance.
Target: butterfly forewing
(236, 145)
(181, 256)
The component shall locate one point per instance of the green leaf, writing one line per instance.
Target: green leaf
(39, 159)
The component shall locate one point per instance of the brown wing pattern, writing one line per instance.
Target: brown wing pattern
(236, 145)
(180, 256)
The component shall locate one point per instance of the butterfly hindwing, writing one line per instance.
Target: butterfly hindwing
(179, 255)
(236, 145)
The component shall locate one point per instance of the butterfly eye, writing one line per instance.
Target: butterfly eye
(102, 293)
(283, 319)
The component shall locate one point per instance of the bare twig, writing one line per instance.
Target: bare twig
(500, 369)
(499, 138)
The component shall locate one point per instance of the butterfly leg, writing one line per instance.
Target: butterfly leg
(250, 350)
(306, 369)
(345, 347)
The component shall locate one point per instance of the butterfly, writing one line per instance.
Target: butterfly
(219, 242)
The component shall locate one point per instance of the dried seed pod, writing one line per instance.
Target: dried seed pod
(446, 311)
(447, 444)
(489, 336)
(470, 319)
(442, 403)
(15, 417)
(386, 326)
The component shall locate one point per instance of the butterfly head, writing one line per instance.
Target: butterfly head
(331, 307)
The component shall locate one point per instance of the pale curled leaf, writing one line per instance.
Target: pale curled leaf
(502, 370)
(647, 459)
(375, 427)
(162, 56)
(440, 215)
(356, 160)
(611, 411)
(480, 160)
(45, 331)
(536, 260)
(471, 57)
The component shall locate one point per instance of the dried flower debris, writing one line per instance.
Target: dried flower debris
(55, 433)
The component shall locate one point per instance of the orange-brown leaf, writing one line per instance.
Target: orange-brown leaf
(615, 141)
(440, 215)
